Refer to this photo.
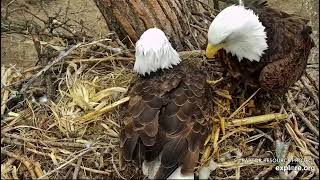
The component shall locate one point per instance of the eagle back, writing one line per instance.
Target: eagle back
(168, 113)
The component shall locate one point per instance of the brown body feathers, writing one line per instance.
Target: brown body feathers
(285, 60)
(168, 112)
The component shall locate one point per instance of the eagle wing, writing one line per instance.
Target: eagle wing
(284, 61)
(289, 47)
(288, 55)
(168, 116)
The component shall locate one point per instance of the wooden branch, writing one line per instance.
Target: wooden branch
(313, 82)
(68, 162)
(46, 68)
(52, 143)
(76, 169)
(257, 119)
(310, 91)
(296, 110)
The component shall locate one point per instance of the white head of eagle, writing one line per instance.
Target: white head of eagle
(154, 52)
(238, 31)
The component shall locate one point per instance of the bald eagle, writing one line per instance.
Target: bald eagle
(264, 47)
(166, 120)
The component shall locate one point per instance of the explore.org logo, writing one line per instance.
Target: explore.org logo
(294, 168)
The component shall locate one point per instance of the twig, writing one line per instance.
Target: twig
(119, 42)
(68, 162)
(66, 176)
(46, 68)
(310, 91)
(204, 5)
(115, 167)
(5, 78)
(14, 172)
(215, 140)
(296, 110)
(313, 66)
(265, 135)
(264, 172)
(301, 144)
(59, 144)
(77, 168)
(312, 142)
(258, 119)
(256, 152)
(200, 29)
(44, 56)
(95, 60)
(310, 136)
(38, 170)
(310, 108)
(313, 82)
(242, 105)
(105, 172)
(299, 133)
(24, 160)
(253, 138)
(61, 159)
(7, 164)
(95, 42)
(214, 82)
(37, 17)
(234, 132)
(192, 33)
(6, 125)
(237, 173)
(87, 117)
(197, 23)
(67, 10)
(44, 9)
(7, 8)
(312, 113)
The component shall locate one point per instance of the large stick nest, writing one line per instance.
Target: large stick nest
(60, 118)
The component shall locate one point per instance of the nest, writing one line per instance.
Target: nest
(61, 120)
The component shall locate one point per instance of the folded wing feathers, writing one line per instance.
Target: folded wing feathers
(166, 111)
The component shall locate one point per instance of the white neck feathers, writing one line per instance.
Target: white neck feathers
(240, 31)
(154, 52)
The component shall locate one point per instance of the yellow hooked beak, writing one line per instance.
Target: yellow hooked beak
(212, 50)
